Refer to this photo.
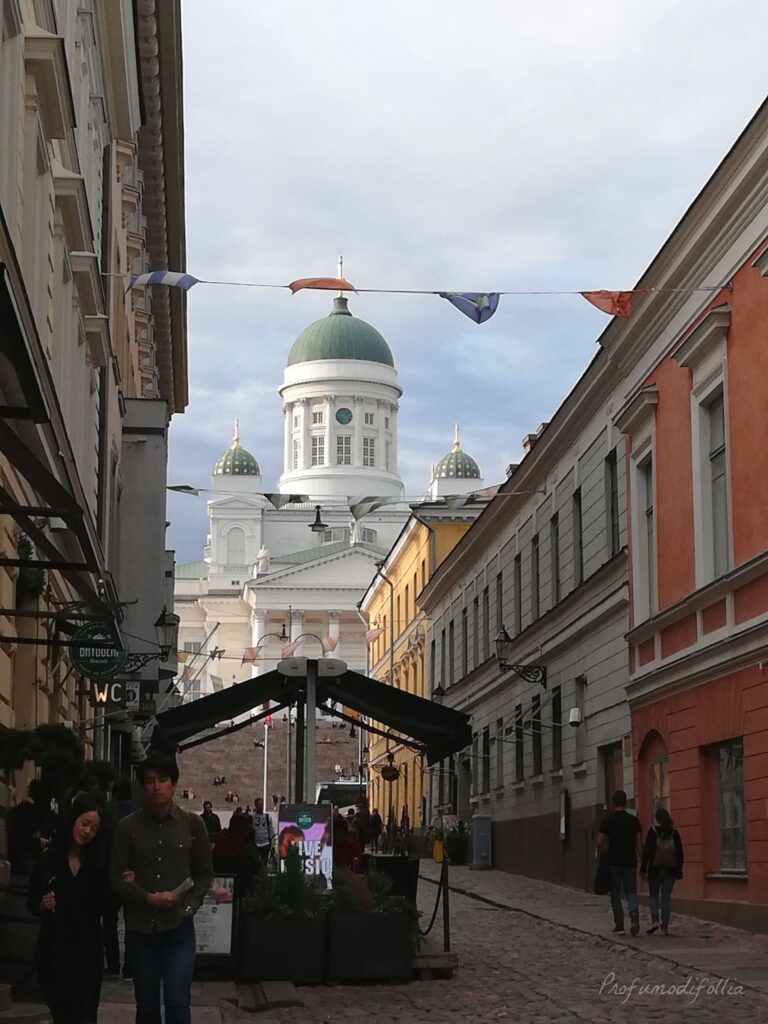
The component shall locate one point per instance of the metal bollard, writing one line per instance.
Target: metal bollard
(446, 907)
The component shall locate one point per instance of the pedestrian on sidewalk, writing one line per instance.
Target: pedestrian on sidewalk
(68, 892)
(621, 833)
(162, 869)
(211, 820)
(262, 830)
(662, 865)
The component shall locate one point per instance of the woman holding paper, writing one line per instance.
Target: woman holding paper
(68, 891)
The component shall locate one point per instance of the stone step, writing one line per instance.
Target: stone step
(25, 1013)
(5, 998)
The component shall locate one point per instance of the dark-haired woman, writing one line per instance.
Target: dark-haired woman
(662, 864)
(68, 892)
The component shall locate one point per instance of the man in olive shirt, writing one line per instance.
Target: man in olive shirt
(162, 869)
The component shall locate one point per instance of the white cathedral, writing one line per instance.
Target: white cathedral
(271, 575)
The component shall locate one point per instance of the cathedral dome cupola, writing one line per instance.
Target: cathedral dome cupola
(236, 461)
(340, 335)
(457, 464)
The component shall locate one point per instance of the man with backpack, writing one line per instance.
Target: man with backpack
(662, 865)
(620, 832)
(162, 869)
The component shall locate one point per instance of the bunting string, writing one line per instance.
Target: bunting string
(478, 306)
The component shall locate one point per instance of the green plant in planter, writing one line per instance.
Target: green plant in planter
(457, 843)
(30, 582)
(289, 893)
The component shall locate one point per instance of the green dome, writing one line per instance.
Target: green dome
(458, 464)
(236, 461)
(340, 336)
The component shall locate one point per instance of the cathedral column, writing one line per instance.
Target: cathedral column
(393, 425)
(306, 445)
(330, 454)
(297, 623)
(258, 629)
(288, 446)
(333, 630)
(381, 440)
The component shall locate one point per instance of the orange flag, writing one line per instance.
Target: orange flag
(614, 303)
(329, 644)
(251, 654)
(326, 284)
(289, 649)
(371, 635)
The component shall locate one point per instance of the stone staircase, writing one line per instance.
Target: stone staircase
(236, 757)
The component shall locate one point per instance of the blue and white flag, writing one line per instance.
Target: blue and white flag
(478, 306)
(171, 278)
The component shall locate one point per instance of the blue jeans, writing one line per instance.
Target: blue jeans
(167, 958)
(626, 879)
(660, 891)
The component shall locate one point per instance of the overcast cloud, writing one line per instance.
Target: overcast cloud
(438, 144)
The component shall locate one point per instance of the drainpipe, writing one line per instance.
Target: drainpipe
(360, 743)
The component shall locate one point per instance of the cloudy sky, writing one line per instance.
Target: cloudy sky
(445, 145)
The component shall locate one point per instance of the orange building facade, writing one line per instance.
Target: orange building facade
(695, 420)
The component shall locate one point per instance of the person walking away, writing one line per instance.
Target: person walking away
(162, 869)
(211, 821)
(377, 827)
(662, 865)
(120, 806)
(362, 822)
(262, 830)
(622, 834)
(68, 892)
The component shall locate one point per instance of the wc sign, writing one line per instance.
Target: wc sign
(105, 693)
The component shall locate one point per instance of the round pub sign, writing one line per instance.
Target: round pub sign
(96, 652)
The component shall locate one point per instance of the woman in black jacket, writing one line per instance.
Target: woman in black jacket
(662, 864)
(68, 891)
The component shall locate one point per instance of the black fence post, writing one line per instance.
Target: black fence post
(446, 906)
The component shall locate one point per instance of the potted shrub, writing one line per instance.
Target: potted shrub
(282, 927)
(457, 843)
(372, 934)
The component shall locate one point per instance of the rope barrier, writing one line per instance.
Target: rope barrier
(430, 926)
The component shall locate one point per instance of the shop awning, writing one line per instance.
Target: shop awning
(440, 731)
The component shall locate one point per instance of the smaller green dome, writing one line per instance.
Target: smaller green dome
(457, 464)
(236, 461)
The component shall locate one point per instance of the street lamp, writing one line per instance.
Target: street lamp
(166, 630)
(530, 673)
(318, 526)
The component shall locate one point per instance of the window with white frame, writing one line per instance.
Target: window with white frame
(317, 416)
(296, 453)
(647, 546)
(717, 484)
(369, 451)
(388, 456)
(730, 786)
(318, 450)
(386, 422)
(296, 421)
(344, 450)
(369, 419)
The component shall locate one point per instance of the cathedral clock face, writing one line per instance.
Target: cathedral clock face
(344, 416)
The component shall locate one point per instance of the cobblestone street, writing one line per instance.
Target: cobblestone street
(552, 960)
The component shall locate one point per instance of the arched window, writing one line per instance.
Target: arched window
(654, 778)
(236, 546)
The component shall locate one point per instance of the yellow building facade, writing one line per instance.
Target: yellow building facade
(397, 650)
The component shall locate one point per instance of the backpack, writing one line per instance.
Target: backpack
(666, 851)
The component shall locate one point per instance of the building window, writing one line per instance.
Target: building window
(612, 760)
(296, 421)
(647, 546)
(464, 643)
(578, 545)
(443, 666)
(476, 632)
(612, 503)
(367, 536)
(317, 416)
(579, 750)
(485, 638)
(423, 573)
(318, 451)
(535, 580)
(718, 482)
(236, 546)
(432, 647)
(386, 422)
(192, 646)
(296, 452)
(369, 451)
(344, 450)
(486, 758)
(518, 582)
(730, 781)
(369, 419)
(499, 603)
(388, 456)
(451, 654)
(519, 745)
(554, 543)
(659, 782)
(536, 734)
(475, 766)
(499, 753)
(557, 730)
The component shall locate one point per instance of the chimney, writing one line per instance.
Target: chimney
(529, 440)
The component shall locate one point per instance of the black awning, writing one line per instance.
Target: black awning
(439, 730)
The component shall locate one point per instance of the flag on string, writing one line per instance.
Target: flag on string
(326, 284)
(614, 303)
(372, 634)
(460, 500)
(360, 507)
(478, 306)
(216, 682)
(181, 656)
(329, 643)
(187, 674)
(289, 649)
(279, 500)
(167, 277)
(250, 655)
(184, 489)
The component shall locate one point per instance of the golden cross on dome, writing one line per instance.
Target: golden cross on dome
(236, 438)
(340, 273)
(456, 445)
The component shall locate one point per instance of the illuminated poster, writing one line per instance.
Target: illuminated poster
(213, 921)
(308, 828)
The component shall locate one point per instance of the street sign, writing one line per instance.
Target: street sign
(132, 696)
(96, 651)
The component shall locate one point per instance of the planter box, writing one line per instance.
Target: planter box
(369, 947)
(281, 949)
(402, 871)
